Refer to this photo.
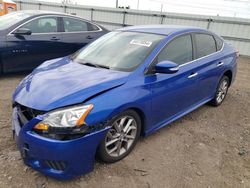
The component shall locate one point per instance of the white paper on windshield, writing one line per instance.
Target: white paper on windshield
(141, 43)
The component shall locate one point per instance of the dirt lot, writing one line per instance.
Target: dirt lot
(208, 148)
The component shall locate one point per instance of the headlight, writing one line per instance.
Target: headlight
(68, 120)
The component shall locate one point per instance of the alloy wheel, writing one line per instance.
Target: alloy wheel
(121, 136)
(222, 91)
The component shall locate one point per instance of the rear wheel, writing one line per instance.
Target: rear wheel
(121, 138)
(221, 91)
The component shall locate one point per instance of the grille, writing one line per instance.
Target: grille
(57, 165)
(29, 113)
(25, 114)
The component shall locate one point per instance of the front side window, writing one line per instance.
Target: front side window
(178, 50)
(205, 45)
(42, 25)
(119, 50)
(74, 25)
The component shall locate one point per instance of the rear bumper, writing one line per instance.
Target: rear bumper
(58, 159)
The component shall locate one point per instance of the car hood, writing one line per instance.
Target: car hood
(61, 82)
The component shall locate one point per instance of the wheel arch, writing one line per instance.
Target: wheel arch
(142, 117)
(138, 110)
(229, 74)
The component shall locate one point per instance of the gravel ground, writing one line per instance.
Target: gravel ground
(209, 147)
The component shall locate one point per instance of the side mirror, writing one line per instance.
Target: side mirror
(166, 67)
(22, 31)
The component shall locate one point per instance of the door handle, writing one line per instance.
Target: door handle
(89, 37)
(55, 39)
(193, 75)
(220, 64)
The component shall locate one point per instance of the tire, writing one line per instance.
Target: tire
(221, 91)
(124, 134)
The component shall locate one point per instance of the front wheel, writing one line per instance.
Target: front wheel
(121, 138)
(221, 91)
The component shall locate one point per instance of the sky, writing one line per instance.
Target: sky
(231, 8)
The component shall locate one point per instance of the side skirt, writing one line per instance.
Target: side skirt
(175, 117)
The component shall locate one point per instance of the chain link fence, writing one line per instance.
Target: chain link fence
(234, 30)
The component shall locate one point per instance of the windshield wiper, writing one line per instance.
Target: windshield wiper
(96, 65)
(103, 66)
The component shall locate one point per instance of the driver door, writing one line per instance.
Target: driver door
(173, 94)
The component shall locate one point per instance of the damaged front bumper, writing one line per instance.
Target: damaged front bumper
(59, 159)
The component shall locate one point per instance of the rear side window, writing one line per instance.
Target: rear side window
(178, 50)
(205, 45)
(74, 25)
(219, 43)
(93, 27)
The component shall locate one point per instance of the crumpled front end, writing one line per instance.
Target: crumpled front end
(62, 159)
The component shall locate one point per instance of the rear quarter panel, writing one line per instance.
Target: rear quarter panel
(230, 60)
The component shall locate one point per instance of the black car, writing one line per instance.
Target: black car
(28, 38)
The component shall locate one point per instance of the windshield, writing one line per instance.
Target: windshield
(118, 50)
(12, 18)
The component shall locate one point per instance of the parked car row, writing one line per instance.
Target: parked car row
(28, 38)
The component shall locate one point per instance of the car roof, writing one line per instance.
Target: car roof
(35, 13)
(161, 29)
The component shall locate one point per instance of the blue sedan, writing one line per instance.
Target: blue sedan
(28, 38)
(130, 82)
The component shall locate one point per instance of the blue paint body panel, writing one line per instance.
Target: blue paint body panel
(77, 154)
(158, 98)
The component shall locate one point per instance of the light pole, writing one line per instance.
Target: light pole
(116, 4)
